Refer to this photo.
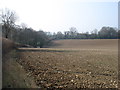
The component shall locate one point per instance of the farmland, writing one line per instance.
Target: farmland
(73, 64)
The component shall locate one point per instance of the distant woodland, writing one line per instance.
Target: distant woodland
(28, 36)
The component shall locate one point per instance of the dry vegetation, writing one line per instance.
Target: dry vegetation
(13, 75)
(73, 64)
(7, 45)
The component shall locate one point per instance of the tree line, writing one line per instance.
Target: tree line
(21, 34)
(103, 33)
(28, 36)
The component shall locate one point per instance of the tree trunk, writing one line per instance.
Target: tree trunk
(6, 36)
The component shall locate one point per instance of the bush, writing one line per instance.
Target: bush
(7, 45)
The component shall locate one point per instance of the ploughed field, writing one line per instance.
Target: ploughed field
(73, 64)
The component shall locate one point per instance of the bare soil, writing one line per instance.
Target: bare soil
(73, 64)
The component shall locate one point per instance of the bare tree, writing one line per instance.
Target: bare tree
(8, 19)
(24, 26)
(73, 32)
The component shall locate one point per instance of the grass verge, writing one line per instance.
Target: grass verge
(14, 75)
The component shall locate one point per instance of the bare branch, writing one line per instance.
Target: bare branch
(8, 19)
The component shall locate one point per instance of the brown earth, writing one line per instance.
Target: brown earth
(86, 44)
(73, 64)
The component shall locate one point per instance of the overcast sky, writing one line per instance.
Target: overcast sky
(60, 15)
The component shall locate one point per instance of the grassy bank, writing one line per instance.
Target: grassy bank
(14, 75)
